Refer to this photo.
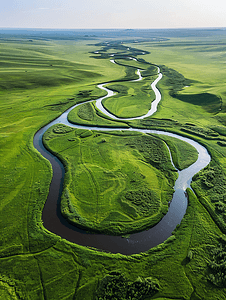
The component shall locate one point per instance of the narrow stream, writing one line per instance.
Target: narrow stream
(138, 242)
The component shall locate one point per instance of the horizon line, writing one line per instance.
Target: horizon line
(163, 28)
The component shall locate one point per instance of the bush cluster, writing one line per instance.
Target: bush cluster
(150, 71)
(84, 94)
(86, 112)
(212, 180)
(117, 286)
(143, 200)
(60, 128)
(200, 131)
(152, 149)
(217, 264)
(175, 80)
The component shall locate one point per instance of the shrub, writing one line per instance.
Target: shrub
(116, 286)
(86, 112)
(217, 264)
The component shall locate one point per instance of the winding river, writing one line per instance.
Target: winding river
(138, 242)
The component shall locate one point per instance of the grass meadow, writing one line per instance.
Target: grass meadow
(117, 183)
(132, 98)
(88, 114)
(41, 78)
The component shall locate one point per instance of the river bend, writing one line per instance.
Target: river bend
(138, 242)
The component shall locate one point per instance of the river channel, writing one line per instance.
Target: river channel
(138, 242)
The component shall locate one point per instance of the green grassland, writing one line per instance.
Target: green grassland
(203, 63)
(179, 150)
(117, 183)
(88, 114)
(133, 98)
(36, 264)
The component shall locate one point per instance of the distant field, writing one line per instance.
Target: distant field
(203, 62)
(42, 76)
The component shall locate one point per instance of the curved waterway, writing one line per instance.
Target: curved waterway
(138, 242)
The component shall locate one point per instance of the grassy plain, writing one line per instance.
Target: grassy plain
(203, 62)
(88, 114)
(36, 264)
(118, 182)
(179, 150)
(132, 100)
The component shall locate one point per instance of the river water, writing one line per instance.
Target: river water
(138, 242)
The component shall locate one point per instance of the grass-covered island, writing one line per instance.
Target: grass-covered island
(115, 181)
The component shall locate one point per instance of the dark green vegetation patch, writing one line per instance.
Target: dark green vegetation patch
(217, 264)
(116, 286)
(175, 80)
(85, 112)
